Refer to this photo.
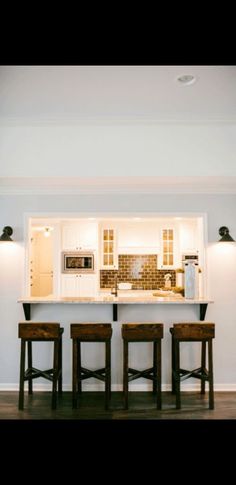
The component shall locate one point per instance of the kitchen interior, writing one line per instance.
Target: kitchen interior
(80, 146)
(86, 257)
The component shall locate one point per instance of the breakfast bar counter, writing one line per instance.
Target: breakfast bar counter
(104, 299)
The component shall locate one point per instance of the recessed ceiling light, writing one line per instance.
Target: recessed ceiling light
(186, 79)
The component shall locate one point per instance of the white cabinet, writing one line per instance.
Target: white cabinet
(80, 236)
(169, 257)
(138, 238)
(188, 236)
(78, 285)
(108, 244)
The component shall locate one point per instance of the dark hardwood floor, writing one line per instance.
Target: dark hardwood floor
(141, 407)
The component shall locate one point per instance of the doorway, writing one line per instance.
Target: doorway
(41, 264)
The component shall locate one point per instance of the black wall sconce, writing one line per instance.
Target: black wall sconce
(6, 235)
(225, 235)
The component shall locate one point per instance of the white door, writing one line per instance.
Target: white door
(41, 267)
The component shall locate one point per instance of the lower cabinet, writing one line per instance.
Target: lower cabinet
(78, 285)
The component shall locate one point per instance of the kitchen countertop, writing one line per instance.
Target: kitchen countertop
(141, 298)
(125, 297)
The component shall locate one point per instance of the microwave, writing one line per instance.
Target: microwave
(77, 262)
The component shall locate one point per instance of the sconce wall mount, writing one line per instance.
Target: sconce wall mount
(225, 235)
(7, 233)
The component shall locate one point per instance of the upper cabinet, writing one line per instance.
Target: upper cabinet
(169, 257)
(188, 236)
(80, 236)
(108, 240)
(138, 238)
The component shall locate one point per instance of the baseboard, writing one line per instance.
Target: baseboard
(185, 387)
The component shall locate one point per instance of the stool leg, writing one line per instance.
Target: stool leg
(60, 367)
(125, 374)
(74, 373)
(203, 365)
(159, 394)
(79, 383)
(55, 373)
(30, 381)
(22, 375)
(154, 386)
(177, 373)
(172, 364)
(108, 374)
(210, 370)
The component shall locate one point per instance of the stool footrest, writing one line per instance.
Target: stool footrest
(199, 373)
(33, 373)
(136, 374)
(98, 373)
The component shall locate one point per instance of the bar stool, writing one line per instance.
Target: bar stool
(143, 332)
(40, 332)
(192, 332)
(90, 332)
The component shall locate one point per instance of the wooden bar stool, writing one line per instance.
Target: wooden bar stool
(90, 332)
(40, 332)
(193, 332)
(143, 332)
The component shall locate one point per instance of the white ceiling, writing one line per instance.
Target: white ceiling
(117, 93)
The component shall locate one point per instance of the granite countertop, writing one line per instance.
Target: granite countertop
(124, 296)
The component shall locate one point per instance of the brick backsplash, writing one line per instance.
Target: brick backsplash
(138, 269)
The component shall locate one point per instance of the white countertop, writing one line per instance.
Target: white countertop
(130, 297)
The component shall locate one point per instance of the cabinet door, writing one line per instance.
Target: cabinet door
(87, 285)
(169, 248)
(109, 259)
(70, 237)
(88, 235)
(79, 236)
(69, 285)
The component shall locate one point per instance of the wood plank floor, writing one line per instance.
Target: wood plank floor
(141, 407)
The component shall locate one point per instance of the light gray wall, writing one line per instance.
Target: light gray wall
(221, 264)
(82, 150)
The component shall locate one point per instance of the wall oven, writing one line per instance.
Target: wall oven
(77, 262)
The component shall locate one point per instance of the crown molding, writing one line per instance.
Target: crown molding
(103, 120)
(117, 185)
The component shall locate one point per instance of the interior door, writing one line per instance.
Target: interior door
(41, 264)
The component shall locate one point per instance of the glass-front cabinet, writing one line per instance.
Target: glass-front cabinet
(109, 257)
(169, 248)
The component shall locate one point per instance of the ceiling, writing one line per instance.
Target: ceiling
(117, 93)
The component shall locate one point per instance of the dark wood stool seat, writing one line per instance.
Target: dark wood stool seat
(193, 332)
(90, 332)
(40, 332)
(143, 332)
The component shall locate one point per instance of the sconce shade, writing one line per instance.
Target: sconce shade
(225, 236)
(6, 235)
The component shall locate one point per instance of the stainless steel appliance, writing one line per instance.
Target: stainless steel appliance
(77, 262)
(191, 276)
